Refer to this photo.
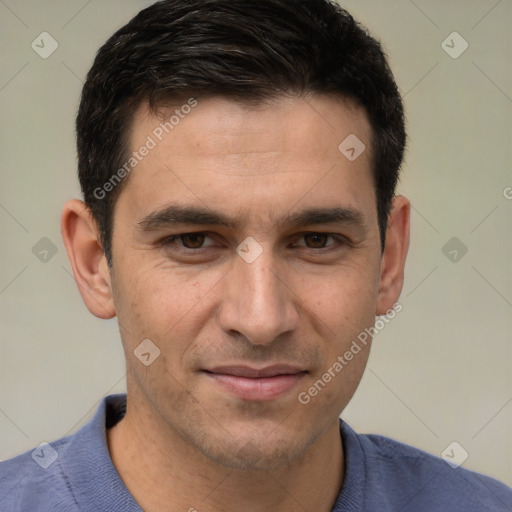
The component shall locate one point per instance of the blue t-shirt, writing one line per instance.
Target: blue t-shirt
(381, 475)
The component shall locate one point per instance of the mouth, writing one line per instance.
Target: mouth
(256, 384)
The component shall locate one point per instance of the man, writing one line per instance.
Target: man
(238, 161)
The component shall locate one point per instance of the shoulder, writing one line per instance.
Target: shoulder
(68, 474)
(415, 480)
(35, 480)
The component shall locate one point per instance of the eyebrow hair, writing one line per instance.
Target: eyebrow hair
(176, 214)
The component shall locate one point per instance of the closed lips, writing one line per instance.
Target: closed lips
(256, 384)
(253, 373)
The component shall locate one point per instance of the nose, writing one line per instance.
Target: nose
(258, 303)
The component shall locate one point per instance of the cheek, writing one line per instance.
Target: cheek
(343, 308)
(345, 302)
(162, 305)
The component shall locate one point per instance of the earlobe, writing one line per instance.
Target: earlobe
(80, 235)
(394, 256)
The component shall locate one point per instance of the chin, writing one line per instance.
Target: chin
(257, 452)
(251, 457)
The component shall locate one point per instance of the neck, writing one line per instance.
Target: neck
(165, 474)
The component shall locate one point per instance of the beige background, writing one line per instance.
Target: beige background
(439, 372)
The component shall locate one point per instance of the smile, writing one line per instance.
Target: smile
(256, 384)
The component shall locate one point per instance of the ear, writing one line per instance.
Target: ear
(395, 253)
(81, 237)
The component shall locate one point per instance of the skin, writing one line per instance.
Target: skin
(187, 442)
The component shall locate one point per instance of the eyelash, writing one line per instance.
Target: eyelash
(171, 240)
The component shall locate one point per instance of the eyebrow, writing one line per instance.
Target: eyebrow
(191, 215)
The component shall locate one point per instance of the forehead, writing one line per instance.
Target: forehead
(226, 154)
(221, 125)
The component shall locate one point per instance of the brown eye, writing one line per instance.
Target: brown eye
(192, 240)
(318, 240)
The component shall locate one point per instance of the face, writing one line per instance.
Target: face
(246, 248)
